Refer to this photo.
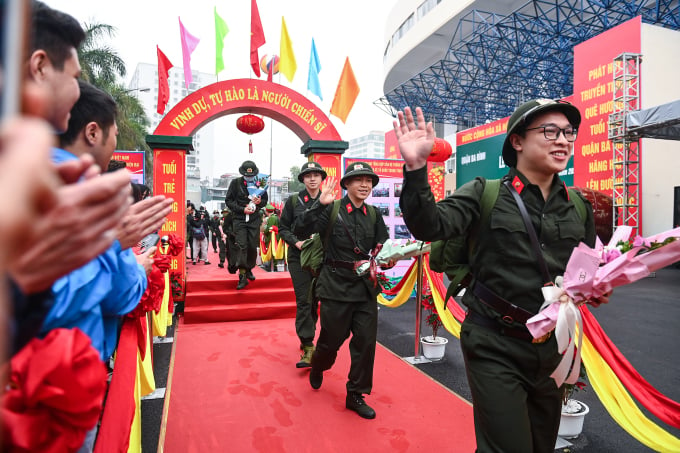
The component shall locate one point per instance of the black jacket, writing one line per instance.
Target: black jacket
(237, 200)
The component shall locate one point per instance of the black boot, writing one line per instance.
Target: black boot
(355, 402)
(250, 276)
(315, 378)
(242, 281)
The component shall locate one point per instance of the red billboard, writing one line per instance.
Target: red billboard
(593, 95)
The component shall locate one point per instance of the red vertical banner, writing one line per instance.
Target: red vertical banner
(331, 164)
(391, 145)
(594, 96)
(435, 176)
(169, 180)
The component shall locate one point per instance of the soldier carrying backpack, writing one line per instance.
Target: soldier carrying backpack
(516, 403)
(348, 300)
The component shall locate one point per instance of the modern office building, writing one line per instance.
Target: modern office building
(144, 85)
(371, 146)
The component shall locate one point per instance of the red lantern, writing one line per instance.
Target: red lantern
(441, 150)
(250, 124)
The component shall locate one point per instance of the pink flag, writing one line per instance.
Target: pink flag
(189, 43)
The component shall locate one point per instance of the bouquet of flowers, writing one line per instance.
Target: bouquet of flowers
(256, 188)
(591, 274)
(394, 251)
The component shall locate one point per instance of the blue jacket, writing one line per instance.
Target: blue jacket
(95, 296)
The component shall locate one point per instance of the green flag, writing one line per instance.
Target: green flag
(221, 31)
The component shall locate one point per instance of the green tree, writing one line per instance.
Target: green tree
(101, 65)
(103, 68)
(294, 185)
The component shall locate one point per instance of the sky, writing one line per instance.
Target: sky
(351, 28)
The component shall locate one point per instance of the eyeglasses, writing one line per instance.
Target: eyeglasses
(553, 132)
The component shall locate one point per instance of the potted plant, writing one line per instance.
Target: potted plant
(433, 346)
(573, 411)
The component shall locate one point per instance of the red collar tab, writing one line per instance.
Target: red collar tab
(349, 208)
(306, 198)
(518, 184)
(364, 209)
(566, 189)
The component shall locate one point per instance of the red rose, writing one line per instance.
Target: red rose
(54, 394)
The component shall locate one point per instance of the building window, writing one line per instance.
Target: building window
(426, 7)
(403, 28)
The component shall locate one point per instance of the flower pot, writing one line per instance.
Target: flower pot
(434, 347)
(571, 423)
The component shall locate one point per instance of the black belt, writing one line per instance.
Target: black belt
(509, 312)
(492, 324)
(339, 264)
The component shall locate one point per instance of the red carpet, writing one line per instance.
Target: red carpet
(212, 296)
(235, 388)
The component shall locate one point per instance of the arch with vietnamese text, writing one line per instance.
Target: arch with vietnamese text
(227, 97)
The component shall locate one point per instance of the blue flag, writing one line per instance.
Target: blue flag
(313, 84)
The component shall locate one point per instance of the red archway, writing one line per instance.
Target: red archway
(172, 137)
(286, 106)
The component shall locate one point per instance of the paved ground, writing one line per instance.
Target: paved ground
(641, 319)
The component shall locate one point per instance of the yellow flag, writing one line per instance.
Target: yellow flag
(346, 93)
(287, 64)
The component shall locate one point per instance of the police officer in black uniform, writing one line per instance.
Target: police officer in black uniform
(516, 403)
(246, 222)
(348, 301)
(306, 315)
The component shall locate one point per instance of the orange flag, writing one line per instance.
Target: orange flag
(346, 93)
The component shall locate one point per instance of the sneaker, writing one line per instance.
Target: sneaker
(355, 402)
(242, 281)
(193, 262)
(306, 358)
(206, 262)
(250, 276)
(221, 265)
(315, 379)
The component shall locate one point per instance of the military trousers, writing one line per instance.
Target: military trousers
(247, 238)
(516, 404)
(307, 306)
(338, 321)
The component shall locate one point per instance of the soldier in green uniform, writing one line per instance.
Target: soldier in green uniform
(516, 403)
(246, 222)
(348, 301)
(306, 314)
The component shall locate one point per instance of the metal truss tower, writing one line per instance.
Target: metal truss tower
(626, 158)
(496, 62)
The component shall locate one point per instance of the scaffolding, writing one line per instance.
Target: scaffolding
(496, 62)
(626, 147)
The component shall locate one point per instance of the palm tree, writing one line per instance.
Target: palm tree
(103, 68)
(101, 65)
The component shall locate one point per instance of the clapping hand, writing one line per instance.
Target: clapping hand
(328, 190)
(415, 140)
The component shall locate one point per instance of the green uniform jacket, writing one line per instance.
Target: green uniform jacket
(291, 230)
(342, 284)
(504, 259)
